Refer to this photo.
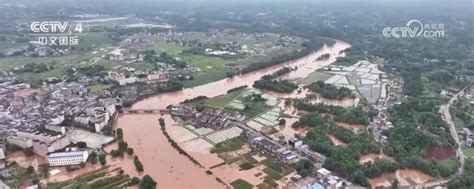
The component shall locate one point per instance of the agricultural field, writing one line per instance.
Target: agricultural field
(206, 63)
(94, 40)
(241, 184)
(229, 145)
(222, 101)
(102, 178)
(249, 49)
(315, 76)
(170, 48)
(80, 55)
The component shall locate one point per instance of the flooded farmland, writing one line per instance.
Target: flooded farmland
(160, 159)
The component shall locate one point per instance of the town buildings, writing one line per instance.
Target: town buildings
(269, 147)
(208, 117)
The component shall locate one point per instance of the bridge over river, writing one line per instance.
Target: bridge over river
(145, 111)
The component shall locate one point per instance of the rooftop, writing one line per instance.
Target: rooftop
(313, 186)
(66, 154)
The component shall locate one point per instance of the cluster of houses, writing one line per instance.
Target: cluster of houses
(35, 118)
(24, 107)
(122, 55)
(380, 123)
(306, 151)
(208, 117)
(468, 136)
(325, 179)
(267, 146)
(229, 48)
(164, 74)
(37, 51)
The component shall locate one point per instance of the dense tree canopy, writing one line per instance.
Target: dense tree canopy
(330, 91)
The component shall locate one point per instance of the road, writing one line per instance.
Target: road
(446, 115)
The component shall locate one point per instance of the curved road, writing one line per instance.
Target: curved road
(446, 116)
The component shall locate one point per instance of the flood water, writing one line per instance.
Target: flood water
(160, 160)
(220, 87)
(163, 162)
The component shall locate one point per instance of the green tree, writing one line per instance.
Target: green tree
(138, 164)
(30, 170)
(134, 181)
(129, 151)
(282, 122)
(147, 182)
(162, 122)
(102, 159)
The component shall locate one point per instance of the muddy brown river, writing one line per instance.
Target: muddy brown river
(164, 163)
(305, 65)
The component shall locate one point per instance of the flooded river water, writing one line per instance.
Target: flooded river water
(173, 170)
(307, 64)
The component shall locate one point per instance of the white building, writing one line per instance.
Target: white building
(125, 81)
(67, 158)
(20, 142)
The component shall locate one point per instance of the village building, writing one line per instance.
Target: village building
(67, 158)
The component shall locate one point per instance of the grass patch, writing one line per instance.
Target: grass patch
(222, 101)
(254, 107)
(228, 145)
(272, 174)
(315, 76)
(246, 166)
(202, 78)
(275, 165)
(241, 184)
(205, 62)
(468, 152)
(251, 160)
(92, 40)
(169, 48)
(270, 182)
(450, 163)
(264, 185)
